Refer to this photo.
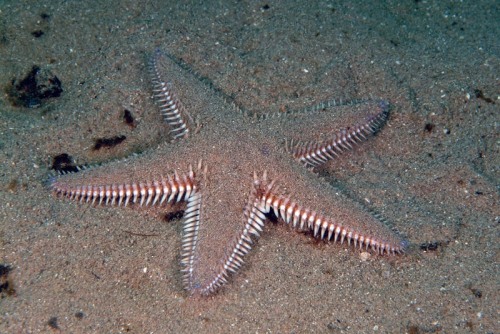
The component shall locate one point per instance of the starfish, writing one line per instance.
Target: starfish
(234, 172)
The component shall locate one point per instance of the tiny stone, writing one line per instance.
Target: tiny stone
(364, 256)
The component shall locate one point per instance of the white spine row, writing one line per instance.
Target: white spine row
(317, 153)
(169, 104)
(191, 227)
(149, 193)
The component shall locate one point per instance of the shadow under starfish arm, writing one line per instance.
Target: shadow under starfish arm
(227, 202)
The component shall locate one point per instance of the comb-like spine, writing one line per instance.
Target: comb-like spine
(169, 104)
(144, 193)
(191, 226)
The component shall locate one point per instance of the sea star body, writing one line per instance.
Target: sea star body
(232, 173)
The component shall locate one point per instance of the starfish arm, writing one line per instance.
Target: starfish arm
(100, 190)
(252, 223)
(313, 152)
(354, 226)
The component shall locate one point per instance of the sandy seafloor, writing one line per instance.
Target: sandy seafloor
(434, 172)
